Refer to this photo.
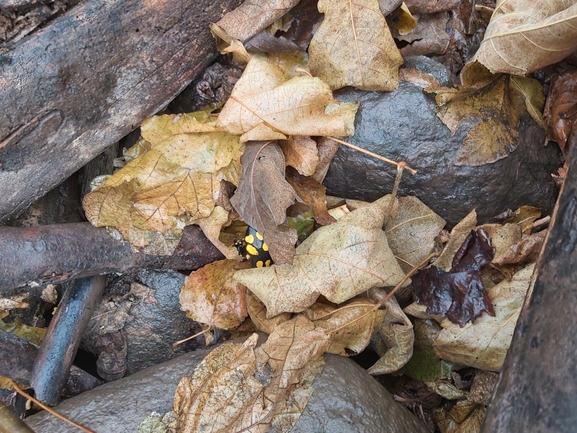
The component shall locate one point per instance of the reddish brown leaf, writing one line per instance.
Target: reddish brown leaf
(458, 294)
(561, 108)
(313, 194)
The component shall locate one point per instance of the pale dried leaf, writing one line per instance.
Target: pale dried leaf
(525, 250)
(267, 104)
(354, 47)
(210, 296)
(338, 261)
(458, 235)
(412, 232)
(524, 35)
(257, 313)
(484, 343)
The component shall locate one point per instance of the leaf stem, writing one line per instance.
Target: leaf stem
(50, 410)
(374, 155)
(191, 337)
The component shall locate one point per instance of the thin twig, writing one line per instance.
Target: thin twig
(374, 155)
(50, 410)
(191, 337)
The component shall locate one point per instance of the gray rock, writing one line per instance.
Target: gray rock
(403, 126)
(346, 399)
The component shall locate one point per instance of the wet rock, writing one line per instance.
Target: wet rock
(403, 126)
(136, 330)
(346, 399)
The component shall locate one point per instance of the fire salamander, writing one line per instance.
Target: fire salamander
(252, 247)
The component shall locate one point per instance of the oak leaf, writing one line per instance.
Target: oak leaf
(269, 102)
(210, 296)
(338, 261)
(524, 36)
(354, 47)
(263, 195)
(483, 344)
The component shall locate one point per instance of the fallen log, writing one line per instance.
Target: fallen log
(537, 391)
(62, 252)
(89, 78)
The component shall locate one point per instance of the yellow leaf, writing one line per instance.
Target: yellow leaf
(525, 35)
(354, 47)
(266, 104)
(337, 261)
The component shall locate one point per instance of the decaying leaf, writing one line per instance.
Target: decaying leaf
(271, 102)
(561, 107)
(173, 184)
(458, 294)
(484, 343)
(457, 236)
(354, 47)
(15, 301)
(433, 35)
(429, 7)
(32, 334)
(263, 195)
(498, 104)
(523, 36)
(210, 296)
(257, 313)
(338, 261)
(403, 20)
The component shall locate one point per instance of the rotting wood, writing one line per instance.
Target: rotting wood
(537, 391)
(61, 252)
(89, 78)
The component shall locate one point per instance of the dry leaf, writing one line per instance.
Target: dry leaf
(257, 313)
(313, 194)
(268, 103)
(326, 149)
(172, 184)
(433, 35)
(253, 16)
(210, 296)
(458, 235)
(337, 261)
(524, 36)
(403, 20)
(354, 47)
(560, 109)
(429, 7)
(263, 195)
(525, 250)
(483, 344)
(301, 153)
(412, 232)
(498, 105)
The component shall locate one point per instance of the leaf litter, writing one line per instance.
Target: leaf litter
(331, 293)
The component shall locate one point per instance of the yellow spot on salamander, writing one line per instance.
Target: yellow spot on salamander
(259, 264)
(251, 250)
(249, 239)
(259, 236)
(264, 247)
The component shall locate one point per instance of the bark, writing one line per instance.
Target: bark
(88, 79)
(537, 391)
(61, 252)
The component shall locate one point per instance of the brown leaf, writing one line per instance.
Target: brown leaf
(354, 47)
(458, 235)
(524, 36)
(412, 232)
(272, 101)
(498, 105)
(433, 35)
(253, 16)
(257, 313)
(561, 107)
(300, 153)
(313, 194)
(210, 295)
(484, 344)
(526, 250)
(337, 261)
(326, 149)
(429, 7)
(263, 195)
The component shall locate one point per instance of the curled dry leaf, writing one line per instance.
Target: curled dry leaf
(257, 313)
(354, 47)
(483, 344)
(458, 236)
(313, 194)
(263, 195)
(173, 184)
(210, 295)
(524, 35)
(526, 250)
(267, 103)
(253, 16)
(338, 261)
